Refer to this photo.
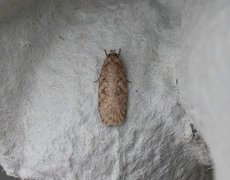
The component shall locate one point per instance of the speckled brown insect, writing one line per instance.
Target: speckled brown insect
(113, 90)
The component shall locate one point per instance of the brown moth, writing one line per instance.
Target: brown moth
(113, 90)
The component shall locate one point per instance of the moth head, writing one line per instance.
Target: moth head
(113, 53)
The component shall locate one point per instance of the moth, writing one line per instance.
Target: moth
(112, 90)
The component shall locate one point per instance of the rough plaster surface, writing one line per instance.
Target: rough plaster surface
(51, 53)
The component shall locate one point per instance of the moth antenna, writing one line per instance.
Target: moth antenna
(114, 46)
(119, 52)
(106, 53)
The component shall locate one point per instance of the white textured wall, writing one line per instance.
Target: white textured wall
(206, 86)
(51, 53)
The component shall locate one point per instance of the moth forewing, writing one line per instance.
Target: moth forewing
(113, 90)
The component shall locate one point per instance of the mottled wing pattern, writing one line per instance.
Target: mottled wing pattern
(113, 91)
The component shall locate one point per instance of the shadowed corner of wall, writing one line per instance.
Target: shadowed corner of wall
(203, 172)
(4, 176)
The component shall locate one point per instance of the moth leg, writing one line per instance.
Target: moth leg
(128, 81)
(96, 80)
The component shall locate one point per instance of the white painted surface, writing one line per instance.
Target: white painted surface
(51, 52)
